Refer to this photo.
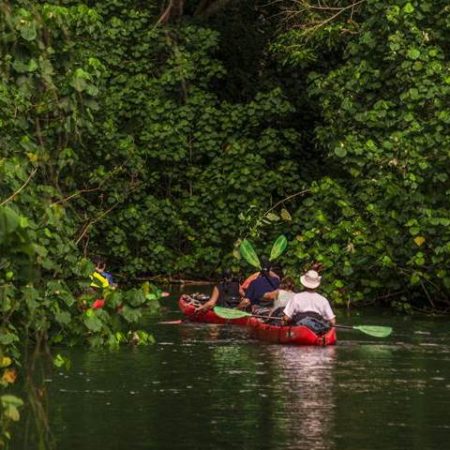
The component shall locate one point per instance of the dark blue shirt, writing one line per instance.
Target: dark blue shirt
(108, 276)
(260, 286)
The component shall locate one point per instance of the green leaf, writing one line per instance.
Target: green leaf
(63, 317)
(408, 8)
(272, 217)
(285, 215)
(8, 338)
(79, 80)
(341, 152)
(413, 53)
(58, 360)
(28, 31)
(9, 221)
(93, 323)
(130, 314)
(12, 413)
(62, 361)
(11, 400)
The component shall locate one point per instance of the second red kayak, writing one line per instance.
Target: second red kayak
(296, 335)
(188, 307)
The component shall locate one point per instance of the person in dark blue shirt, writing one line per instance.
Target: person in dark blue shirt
(265, 282)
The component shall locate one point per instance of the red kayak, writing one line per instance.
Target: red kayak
(297, 335)
(188, 306)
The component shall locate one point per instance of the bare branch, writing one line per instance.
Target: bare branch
(173, 10)
(311, 17)
(297, 194)
(15, 194)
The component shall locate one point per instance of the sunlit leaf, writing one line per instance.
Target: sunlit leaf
(11, 412)
(419, 240)
(9, 376)
(11, 400)
(272, 217)
(5, 361)
(285, 215)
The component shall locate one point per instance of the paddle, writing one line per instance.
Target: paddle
(371, 330)
(279, 246)
(249, 254)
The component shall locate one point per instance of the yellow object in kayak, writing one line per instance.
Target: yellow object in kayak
(99, 281)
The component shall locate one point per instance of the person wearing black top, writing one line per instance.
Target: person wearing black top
(225, 293)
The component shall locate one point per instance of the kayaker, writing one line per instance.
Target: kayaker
(263, 283)
(225, 293)
(245, 285)
(309, 304)
(100, 278)
(281, 296)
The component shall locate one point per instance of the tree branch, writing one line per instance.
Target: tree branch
(297, 194)
(173, 10)
(15, 194)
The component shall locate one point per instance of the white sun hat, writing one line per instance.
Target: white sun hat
(311, 279)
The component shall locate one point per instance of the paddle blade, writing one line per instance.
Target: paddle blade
(278, 247)
(249, 254)
(374, 330)
(228, 313)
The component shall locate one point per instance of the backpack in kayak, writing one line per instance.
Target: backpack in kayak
(315, 322)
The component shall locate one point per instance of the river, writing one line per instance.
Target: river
(213, 387)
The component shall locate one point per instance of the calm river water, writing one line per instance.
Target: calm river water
(212, 387)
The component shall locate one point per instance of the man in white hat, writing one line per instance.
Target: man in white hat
(309, 301)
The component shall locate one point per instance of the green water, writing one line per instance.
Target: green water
(210, 387)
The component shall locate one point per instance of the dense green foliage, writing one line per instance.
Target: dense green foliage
(162, 134)
(117, 136)
(384, 125)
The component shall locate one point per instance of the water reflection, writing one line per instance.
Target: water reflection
(284, 394)
(306, 375)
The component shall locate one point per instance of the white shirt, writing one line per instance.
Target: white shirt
(309, 301)
(283, 298)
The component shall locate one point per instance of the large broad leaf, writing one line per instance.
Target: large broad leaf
(11, 400)
(28, 31)
(93, 323)
(130, 314)
(278, 248)
(8, 338)
(9, 222)
(63, 317)
(249, 254)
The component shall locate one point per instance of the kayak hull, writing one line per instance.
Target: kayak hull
(296, 335)
(188, 310)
